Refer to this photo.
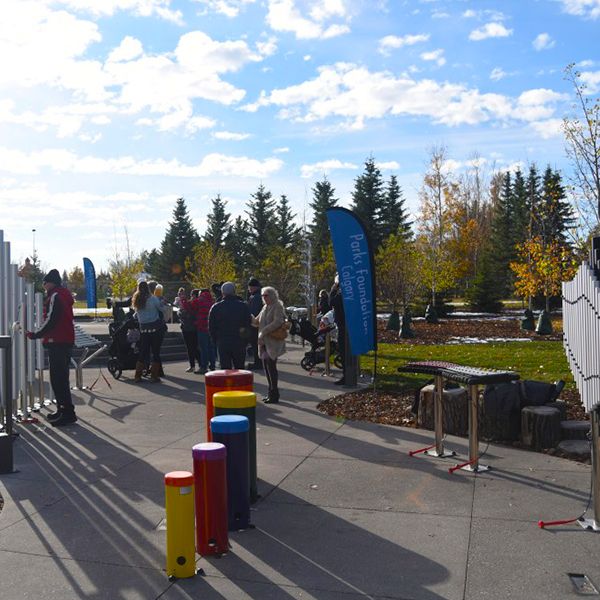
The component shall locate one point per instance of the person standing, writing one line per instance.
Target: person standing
(58, 335)
(228, 324)
(324, 306)
(270, 318)
(148, 311)
(187, 322)
(207, 351)
(337, 304)
(255, 305)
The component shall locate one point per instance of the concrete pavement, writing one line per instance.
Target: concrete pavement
(345, 512)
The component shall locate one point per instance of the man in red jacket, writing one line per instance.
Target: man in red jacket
(58, 333)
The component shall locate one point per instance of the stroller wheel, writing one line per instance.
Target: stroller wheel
(337, 361)
(307, 364)
(114, 368)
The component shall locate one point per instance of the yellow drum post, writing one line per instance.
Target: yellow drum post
(179, 504)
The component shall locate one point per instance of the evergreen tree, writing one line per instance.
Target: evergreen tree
(367, 199)
(218, 223)
(533, 186)
(555, 213)
(520, 211)
(236, 245)
(323, 198)
(500, 249)
(262, 225)
(393, 217)
(177, 245)
(287, 233)
(485, 293)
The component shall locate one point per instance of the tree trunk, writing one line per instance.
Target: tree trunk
(540, 427)
(455, 410)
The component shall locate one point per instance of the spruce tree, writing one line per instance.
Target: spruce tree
(393, 218)
(500, 249)
(323, 198)
(262, 225)
(367, 199)
(218, 223)
(177, 245)
(520, 211)
(555, 213)
(485, 293)
(236, 244)
(287, 233)
(533, 186)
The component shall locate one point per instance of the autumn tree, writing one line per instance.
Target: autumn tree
(542, 267)
(398, 273)
(438, 268)
(282, 269)
(582, 135)
(124, 276)
(209, 265)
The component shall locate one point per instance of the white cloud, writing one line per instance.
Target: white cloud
(548, 128)
(282, 150)
(497, 74)
(390, 165)
(63, 161)
(229, 8)
(490, 30)
(392, 42)
(128, 49)
(592, 80)
(543, 41)
(436, 56)
(324, 167)
(283, 15)
(583, 8)
(230, 136)
(353, 94)
(141, 8)
(469, 14)
(48, 48)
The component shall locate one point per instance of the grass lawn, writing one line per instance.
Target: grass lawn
(542, 361)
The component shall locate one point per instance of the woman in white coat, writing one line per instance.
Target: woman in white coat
(270, 318)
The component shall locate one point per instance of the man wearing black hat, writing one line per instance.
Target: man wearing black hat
(58, 333)
(255, 305)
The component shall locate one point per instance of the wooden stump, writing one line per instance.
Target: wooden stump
(575, 430)
(455, 410)
(562, 408)
(540, 427)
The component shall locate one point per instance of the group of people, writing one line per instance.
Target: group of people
(220, 327)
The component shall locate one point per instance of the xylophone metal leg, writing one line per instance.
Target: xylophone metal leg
(438, 397)
(594, 524)
(473, 464)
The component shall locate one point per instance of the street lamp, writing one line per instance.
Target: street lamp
(33, 233)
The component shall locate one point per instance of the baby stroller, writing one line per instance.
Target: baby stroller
(124, 350)
(316, 338)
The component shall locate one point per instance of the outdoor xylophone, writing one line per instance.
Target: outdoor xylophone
(472, 377)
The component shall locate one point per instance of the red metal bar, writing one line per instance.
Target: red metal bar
(542, 524)
(457, 467)
(413, 452)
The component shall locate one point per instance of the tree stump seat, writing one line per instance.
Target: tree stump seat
(562, 408)
(540, 427)
(575, 430)
(455, 410)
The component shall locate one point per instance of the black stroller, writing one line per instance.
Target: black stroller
(124, 350)
(316, 338)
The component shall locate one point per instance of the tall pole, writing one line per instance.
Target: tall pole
(33, 234)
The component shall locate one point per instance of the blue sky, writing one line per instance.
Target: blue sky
(111, 109)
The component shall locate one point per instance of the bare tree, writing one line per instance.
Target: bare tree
(582, 135)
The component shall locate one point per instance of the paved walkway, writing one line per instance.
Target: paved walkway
(345, 513)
